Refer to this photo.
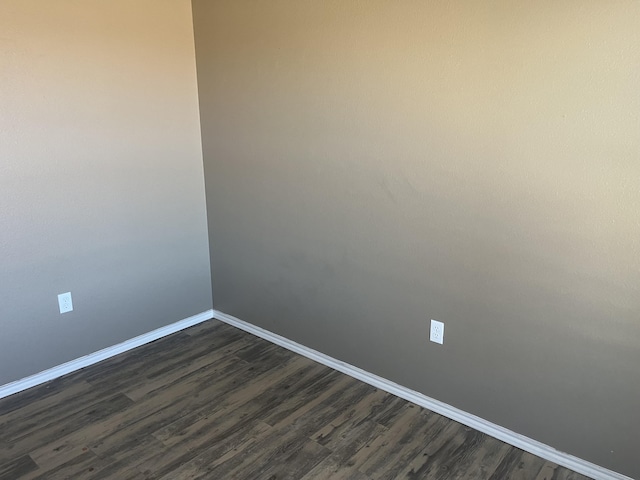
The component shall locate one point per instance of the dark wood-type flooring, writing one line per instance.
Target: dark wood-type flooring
(213, 402)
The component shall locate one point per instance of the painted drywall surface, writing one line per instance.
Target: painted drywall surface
(373, 165)
(101, 183)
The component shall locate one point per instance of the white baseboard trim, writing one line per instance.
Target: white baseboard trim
(520, 441)
(95, 357)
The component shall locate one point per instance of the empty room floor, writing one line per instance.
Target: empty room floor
(214, 402)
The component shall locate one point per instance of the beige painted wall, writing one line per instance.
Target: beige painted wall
(101, 183)
(371, 165)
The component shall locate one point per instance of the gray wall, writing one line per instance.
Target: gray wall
(373, 165)
(101, 183)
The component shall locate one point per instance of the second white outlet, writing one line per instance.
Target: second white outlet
(65, 303)
(437, 332)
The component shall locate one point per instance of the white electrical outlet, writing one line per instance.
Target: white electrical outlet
(65, 303)
(437, 332)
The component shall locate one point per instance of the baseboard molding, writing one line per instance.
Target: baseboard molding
(78, 363)
(520, 441)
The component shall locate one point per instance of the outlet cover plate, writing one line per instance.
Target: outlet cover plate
(65, 303)
(437, 332)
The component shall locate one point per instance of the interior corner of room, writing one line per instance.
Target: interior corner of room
(334, 176)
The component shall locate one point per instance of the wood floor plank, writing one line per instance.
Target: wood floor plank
(239, 395)
(30, 408)
(161, 354)
(128, 458)
(214, 402)
(520, 465)
(296, 462)
(150, 366)
(345, 443)
(56, 409)
(187, 441)
(157, 381)
(434, 460)
(384, 450)
(35, 394)
(291, 432)
(207, 329)
(547, 472)
(158, 411)
(333, 435)
(483, 459)
(81, 392)
(209, 457)
(17, 468)
(233, 445)
(49, 433)
(54, 454)
(152, 353)
(479, 454)
(527, 468)
(81, 466)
